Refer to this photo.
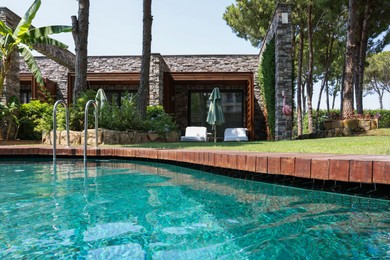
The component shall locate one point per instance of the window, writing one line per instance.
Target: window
(25, 92)
(232, 105)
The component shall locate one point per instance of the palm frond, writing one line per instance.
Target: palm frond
(4, 29)
(25, 23)
(31, 64)
(48, 30)
(47, 41)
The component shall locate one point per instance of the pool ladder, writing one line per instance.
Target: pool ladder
(56, 104)
(86, 126)
(67, 126)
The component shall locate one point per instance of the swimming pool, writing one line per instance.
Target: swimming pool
(139, 210)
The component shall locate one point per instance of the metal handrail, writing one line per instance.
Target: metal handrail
(86, 126)
(55, 126)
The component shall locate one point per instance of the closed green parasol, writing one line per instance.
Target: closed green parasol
(215, 116)
(101, 99)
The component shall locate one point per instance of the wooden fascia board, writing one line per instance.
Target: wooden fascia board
(212, 76)
(112, 77)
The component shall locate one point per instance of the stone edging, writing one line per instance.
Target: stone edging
(346, 168)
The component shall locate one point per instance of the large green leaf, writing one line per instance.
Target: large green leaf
(9, 44)
(4, 29)
(31, 64)
(48, 30)
(25, 23)
(47, 41)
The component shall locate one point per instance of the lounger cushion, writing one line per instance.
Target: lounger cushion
(235, 134)
(195, 134)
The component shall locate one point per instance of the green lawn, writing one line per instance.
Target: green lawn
(374, 142)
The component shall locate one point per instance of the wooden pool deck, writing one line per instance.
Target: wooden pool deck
(368, 169)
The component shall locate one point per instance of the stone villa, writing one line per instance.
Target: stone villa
(180, 83)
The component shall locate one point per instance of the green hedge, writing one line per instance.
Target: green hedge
(384, 121)
(267, 85)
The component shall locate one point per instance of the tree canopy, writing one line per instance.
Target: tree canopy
(377, 78)
(326, 31)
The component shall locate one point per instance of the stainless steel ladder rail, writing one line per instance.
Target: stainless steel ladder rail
(86, 126)
(56, 104)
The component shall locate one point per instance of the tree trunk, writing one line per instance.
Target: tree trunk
(304, 110)
(347, 110)
(309, 87)
(80, 35)
(328, 64)
(319, 99)
(143, 90)
(362, 57)
(299, 85)
(327, 98)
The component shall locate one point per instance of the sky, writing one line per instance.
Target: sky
(179, 27)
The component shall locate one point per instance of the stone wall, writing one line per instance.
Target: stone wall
(12, 83)
(157, 69)
(114, 64)
(281, 29)
(212, 63)
(52, 71)
(347, 127)
(107, 137)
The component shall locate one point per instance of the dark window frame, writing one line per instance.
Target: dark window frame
(208, 91)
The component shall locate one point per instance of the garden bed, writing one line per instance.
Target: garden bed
(347, 127)
(106, 136)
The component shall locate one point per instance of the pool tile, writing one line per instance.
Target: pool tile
(320, 169)
(241, 162)
(287, 165)
(361, 171)
(179, 156)
(250, 163)
(224, 163)
(302, 167)
(262, 164)
(274, 165)
(339, 170)
(232, 161)
(172, 155)
(381, 172)
(210, 159)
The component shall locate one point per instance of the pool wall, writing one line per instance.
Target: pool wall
(347, 168)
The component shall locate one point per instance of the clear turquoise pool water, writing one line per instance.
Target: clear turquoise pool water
(138, 210)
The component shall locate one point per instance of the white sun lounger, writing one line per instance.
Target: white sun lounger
(195, 134)
(235, 134)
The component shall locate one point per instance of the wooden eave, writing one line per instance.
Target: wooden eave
(211, 76)
(27, 77)
(112, 77)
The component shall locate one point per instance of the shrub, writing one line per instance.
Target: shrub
(158, 121)
(121, 118)
(76, 117)
(35, 118)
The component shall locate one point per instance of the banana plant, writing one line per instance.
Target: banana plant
(22, 39)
